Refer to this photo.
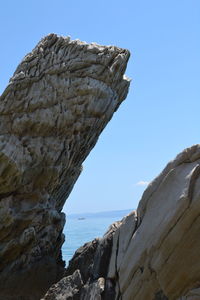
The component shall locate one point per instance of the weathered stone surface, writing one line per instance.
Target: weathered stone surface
(155, 251)
(194, 294)
(57, 103)
(161, 257)
(91, 261)
(94, 290)
(67, 288)
(84, 256)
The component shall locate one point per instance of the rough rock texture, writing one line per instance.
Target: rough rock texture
(91, 262)
(155, 251)
(191, 295)
(57, 103)
(160, 259)
(68, 287)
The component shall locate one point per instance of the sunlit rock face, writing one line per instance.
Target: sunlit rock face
(154, 251)
(58, 101)
(159, 260)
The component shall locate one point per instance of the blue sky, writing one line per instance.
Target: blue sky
(160, 116)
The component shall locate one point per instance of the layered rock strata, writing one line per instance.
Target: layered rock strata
(58, 101)
(155, 251)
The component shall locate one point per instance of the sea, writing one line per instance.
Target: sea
(82, 228)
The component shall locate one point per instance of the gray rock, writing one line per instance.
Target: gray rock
(160, 260)
(57, 103)
(193, 294)
(155, 250)
(94, 290)
(83, 257)
(67, 288)
(91, 261)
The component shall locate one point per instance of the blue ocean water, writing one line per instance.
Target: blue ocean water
(80, 229)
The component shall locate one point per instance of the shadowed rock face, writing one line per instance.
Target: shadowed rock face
(154, 251)
(58, 101)
(90, 264)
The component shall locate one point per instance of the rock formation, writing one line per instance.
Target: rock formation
(86, 273)
(58, 101)
(155, 250)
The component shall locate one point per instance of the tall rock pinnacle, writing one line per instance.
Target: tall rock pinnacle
(58, 101)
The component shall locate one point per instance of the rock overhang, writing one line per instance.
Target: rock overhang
(58, 101)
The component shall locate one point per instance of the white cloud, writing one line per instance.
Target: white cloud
(142, 183)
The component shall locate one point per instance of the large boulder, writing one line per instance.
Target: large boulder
(155, 250)
(160, 260)
(52, 112)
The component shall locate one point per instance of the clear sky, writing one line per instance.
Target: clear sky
(160, 116)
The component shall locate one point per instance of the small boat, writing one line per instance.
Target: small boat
(82, 218)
